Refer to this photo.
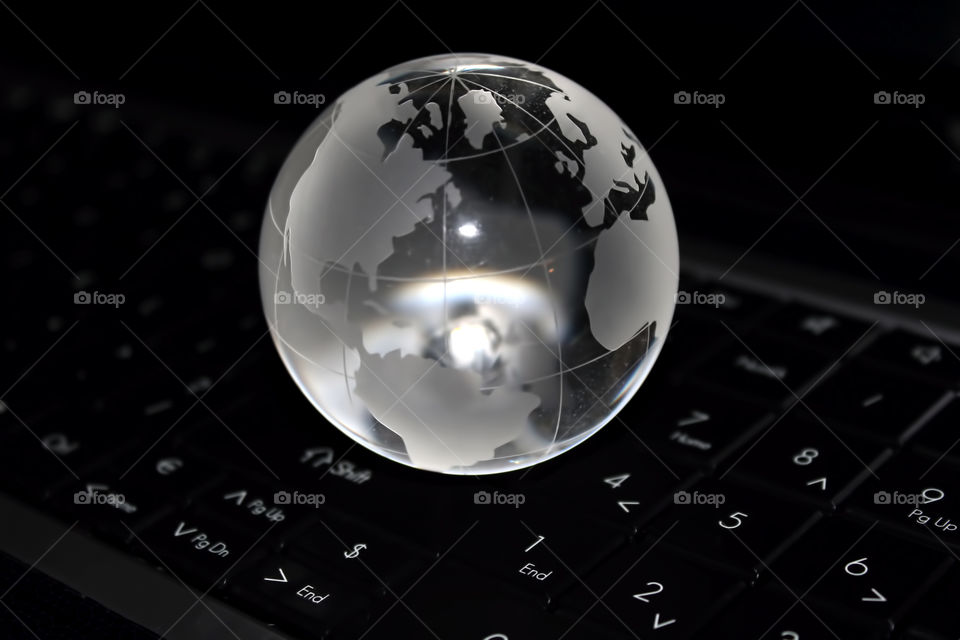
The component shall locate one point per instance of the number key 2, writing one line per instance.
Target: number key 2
(662, 594)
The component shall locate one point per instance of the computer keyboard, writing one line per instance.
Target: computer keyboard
(786, 472)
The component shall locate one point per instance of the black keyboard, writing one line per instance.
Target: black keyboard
(786, 471)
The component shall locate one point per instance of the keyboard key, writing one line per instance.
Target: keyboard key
(937, 616)
(198, 548)
(109, 508)
(940, 436)
(762, 367)
(79, 444)
(773, 613)
(733, 527)
(879, 405)
(817, 328)
(167, 470)
(922, 354)
(659, 593)
(612, 476)
(802, 457)
(696, 426)
(539, 551)
(359, 553)
(295, 596)
(253, 506)
(915, 494)
(455, 602)
(859, 569)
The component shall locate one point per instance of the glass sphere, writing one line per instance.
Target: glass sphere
(468, 263)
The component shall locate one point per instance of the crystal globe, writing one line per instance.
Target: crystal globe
(468, 263)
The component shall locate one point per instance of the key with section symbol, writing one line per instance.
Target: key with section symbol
(358, 554)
